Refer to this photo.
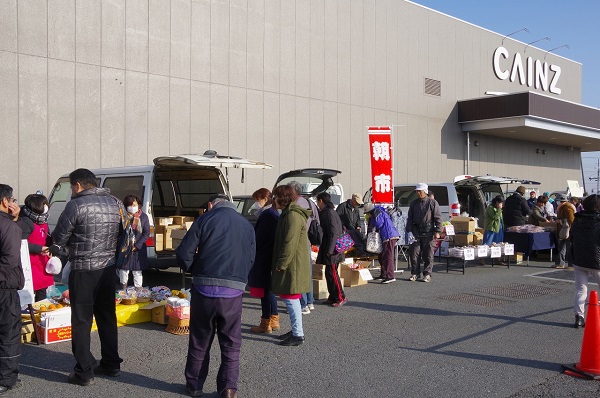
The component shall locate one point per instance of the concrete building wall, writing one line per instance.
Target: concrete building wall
(103, 83)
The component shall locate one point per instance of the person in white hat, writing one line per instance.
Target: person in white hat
(425, 223)
(350, 215)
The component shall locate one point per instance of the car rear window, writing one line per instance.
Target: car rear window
(406, 194)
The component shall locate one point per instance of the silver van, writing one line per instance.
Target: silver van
(467, 194)
(173, 186)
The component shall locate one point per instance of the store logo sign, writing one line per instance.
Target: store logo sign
(531, 73)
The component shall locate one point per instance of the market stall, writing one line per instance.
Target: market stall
(529, 238)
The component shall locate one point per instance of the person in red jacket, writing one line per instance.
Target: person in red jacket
(36, 209)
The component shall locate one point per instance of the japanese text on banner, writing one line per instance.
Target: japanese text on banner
(380, 148)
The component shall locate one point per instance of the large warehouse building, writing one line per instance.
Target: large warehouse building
(294, 83)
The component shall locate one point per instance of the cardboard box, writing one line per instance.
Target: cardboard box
(352, 277)
(168, 240)
(464, 224)
(159, 242)
(181, 220)
(178, 233)
(163, 221)
(480, 230)
(57, 327)
(27, 333)
(477, 238)
(320, 288)
(463, 239)
(318, 271)
(200, 212)
(516, 258)
(159, 315)
(187, 225)
(549, 226)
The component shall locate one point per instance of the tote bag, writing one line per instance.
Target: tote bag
(344, 242)
(563, 234)
(374, 244)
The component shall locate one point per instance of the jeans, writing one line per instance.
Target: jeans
(124, 276)
(295, 311)
(581, 279)
(268, 304)
(308, 297)
(563, 255)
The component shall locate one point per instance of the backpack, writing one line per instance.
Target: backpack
(125, 241)
(315, 233)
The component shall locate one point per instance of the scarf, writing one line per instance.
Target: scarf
(35, 217)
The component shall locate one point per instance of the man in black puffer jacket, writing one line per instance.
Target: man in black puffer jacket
(516, 211)
(89, 228)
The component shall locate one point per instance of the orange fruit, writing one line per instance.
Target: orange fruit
(51, 307)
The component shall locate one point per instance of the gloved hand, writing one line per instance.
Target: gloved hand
(56, 250)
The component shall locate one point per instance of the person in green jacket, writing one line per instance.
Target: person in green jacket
(290, 269)
(494, 223)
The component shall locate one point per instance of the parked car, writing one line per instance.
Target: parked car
(467, 194)
(243, 204)
(315, 181)
(173, 185)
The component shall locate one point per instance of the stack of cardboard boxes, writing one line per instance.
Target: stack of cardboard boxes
(466, 231)
(169, 231)
(319, 283)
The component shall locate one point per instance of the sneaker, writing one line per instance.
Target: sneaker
(560, 266)
(379, 278)
(413, 278)
(344, 301)
(311, 307)
(327, 302)
(305, 310)
(285, 335)
(427, 278)
(389, 280)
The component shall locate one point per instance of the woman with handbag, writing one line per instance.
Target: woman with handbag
(381, 222)
(331, 224)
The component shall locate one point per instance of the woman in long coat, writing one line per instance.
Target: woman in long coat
(259, 278)
(138, 259)
(585, 249)
(290, 268)
(332, 230)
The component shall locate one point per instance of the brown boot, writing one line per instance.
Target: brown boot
(274, 322)
(264, 327)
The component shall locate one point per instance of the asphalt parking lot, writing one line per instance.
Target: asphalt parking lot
(492, 332)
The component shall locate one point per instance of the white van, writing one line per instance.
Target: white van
(467, 194)
(173, 186)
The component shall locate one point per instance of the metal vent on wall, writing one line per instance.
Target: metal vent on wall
(433, 87)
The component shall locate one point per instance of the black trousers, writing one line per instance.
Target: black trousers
(334, 284)
(10, 337)
(92, 294)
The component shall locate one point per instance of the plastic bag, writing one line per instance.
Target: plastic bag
(53, 266)
(374, 244)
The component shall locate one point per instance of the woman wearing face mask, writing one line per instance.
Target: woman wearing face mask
(36, 209)
(262, 202)
(138, 259)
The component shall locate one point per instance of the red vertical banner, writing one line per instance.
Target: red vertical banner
(382, 165)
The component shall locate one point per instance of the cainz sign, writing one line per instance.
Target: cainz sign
(531, 73)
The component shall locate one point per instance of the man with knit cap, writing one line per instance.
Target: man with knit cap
(516, 211)
(424, 222)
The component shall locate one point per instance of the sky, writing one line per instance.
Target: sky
(572, 22)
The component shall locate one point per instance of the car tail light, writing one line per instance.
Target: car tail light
(150, 241)
(455, 209)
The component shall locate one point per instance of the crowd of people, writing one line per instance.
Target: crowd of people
(225, 254)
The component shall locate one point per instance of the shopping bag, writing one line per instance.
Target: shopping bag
(374, 244)
(344, 242)
(563, 233)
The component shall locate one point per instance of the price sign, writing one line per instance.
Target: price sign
(509, 250)
(482, 251)
(495, 252)
(469, 254)
(449, 230)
